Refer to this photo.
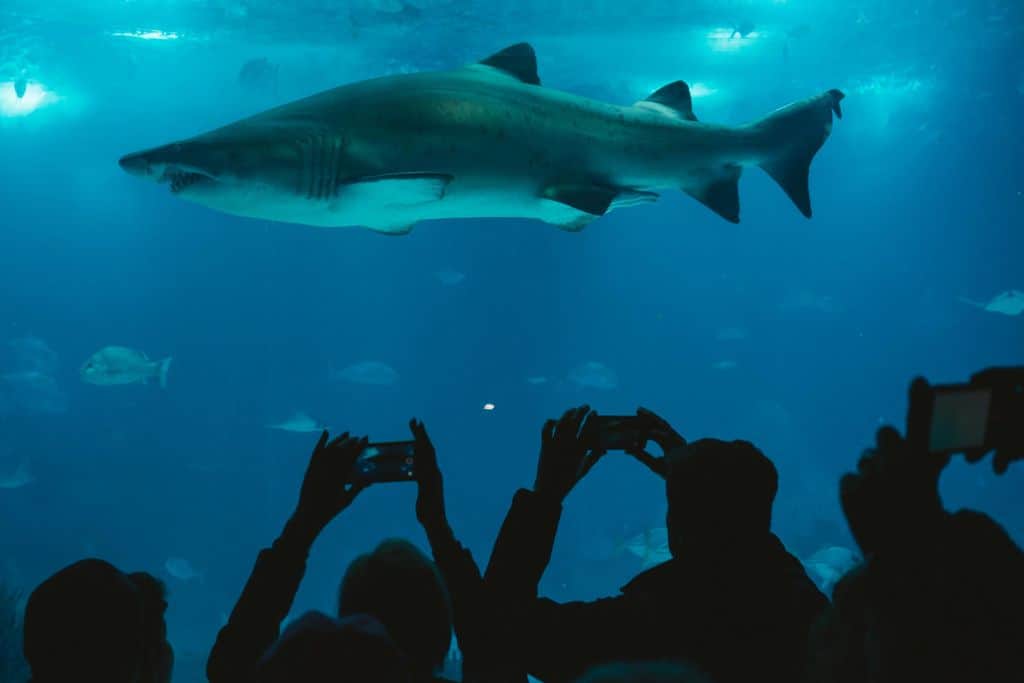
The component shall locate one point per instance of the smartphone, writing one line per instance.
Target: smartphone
(960, 417)
(384, 462)
(617, 432)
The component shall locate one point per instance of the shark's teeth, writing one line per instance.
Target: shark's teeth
(183, 179)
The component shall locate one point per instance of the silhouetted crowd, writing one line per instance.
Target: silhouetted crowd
(939, 596)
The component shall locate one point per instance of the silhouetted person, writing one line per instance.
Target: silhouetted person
(316, 648)
(732, 601)
(92, 622)
(644, 672)
(396, 584)
(941, 595)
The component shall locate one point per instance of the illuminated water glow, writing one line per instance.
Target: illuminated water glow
(148, 35)
(36, 96)
(727, 40)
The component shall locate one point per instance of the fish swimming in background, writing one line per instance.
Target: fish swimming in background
(483, 141)
(594, 375)
(298, 423)
(17, 479)
(829, 564)
(449, 277)
(1007, 303)
(651, 547)
(120, 365)
(369, 372)
(182, 570)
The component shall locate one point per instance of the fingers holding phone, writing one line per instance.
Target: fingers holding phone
(328, 487)
(430, 498)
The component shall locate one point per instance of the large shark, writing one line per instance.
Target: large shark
(486, 140)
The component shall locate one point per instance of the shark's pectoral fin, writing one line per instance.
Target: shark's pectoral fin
(394, 189)
(396, 230)
(671, 100)
(720, 193)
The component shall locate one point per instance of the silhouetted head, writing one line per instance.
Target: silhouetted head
(316, 648)
(402, 587)
(720, 495)
(86, 623)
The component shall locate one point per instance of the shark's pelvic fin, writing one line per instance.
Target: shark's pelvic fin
(673, 100)
(799, 131)
(721, 193)
(587, 202)
(395, 189)
(518, 61)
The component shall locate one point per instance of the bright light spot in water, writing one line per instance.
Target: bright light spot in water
(701, 90)
(35, 97)
(147, 35)
(729, 40)
(488, 406)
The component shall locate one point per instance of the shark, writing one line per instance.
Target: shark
(486, 140)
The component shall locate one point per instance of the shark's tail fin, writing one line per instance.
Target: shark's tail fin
(795, 133)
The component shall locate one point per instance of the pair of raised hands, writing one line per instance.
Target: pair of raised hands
(893, 497)
(566, 456)
(327, 488)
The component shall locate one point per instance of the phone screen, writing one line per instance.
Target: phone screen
(383, 462)
(960, 416)
(618, 432)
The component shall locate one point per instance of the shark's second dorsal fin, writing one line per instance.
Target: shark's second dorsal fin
(675, 97)
(518, 61)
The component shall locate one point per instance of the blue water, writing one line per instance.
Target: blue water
(799, 335)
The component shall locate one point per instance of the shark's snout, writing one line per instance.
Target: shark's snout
(136, 164)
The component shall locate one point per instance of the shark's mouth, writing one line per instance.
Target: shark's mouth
(181, 180)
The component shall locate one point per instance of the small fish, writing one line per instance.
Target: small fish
(829, 564)
(593, 375)
(651, 546)
(725, 365)
(298, 423)
(743, 29)
(17, 479)
(20, 85)
(182, 570)
(1008, 303)
(537, 380)
(449, 277)
(119, 365)
(369, 372)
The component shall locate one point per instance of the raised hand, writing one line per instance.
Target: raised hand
(894, 495)
(327, 488)
(430, 499)
(564, 455)
(1007, 386)
(670, 442)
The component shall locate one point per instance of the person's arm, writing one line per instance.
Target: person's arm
(265, 602)
(268, 595)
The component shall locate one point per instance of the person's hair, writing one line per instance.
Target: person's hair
(402, 587)
(158, 657)
(720, 490)
(316, 648)
(85, 623)
(644, 672)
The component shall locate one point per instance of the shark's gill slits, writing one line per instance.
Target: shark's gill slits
(321, 158)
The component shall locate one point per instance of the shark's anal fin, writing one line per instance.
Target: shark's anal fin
(721, 193)
(587, 202)
(673, 99)
(518, 61)
(396, 230)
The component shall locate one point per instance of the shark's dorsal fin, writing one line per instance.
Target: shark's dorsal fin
(518, 61)
(675, 97)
